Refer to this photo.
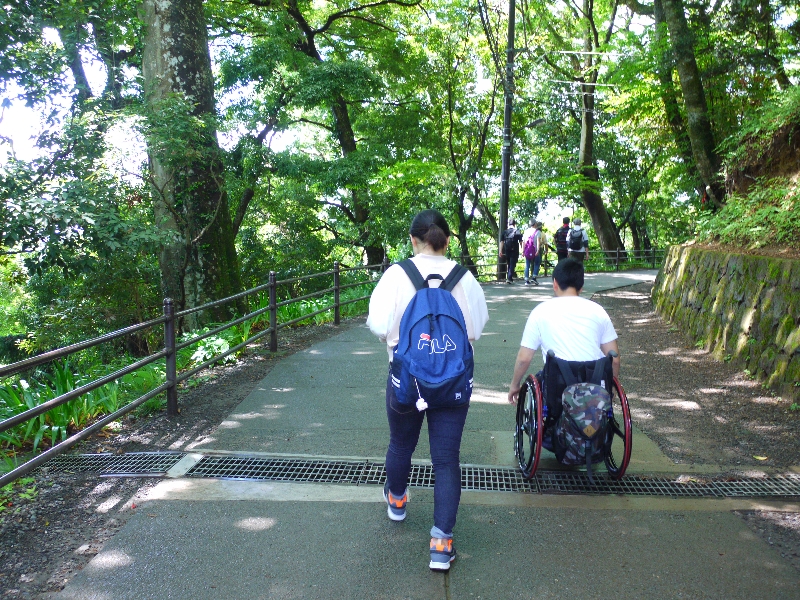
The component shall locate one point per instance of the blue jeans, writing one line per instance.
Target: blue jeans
(537, 262)
(445, 426)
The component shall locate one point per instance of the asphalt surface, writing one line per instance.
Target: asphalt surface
(196, 539)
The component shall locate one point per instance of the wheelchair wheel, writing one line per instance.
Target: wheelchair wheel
(621, 433)
(528, 434)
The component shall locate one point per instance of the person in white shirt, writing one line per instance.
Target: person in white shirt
(430, 236)
(578, 232)
(575, 328)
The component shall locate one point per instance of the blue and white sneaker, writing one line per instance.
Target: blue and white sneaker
(442, 554)
(396, 507)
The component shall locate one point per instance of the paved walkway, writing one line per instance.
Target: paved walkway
(197, 539)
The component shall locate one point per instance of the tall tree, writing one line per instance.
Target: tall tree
(198, 260)
(698, 123)
(582, 36)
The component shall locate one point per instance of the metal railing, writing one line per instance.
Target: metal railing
(169, 320)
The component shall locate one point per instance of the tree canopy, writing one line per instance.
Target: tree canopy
(285, 134)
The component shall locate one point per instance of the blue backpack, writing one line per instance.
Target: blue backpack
(432, 365)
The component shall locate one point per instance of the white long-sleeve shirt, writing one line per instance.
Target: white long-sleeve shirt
(395, 290)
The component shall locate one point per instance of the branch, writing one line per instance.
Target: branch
(557, 69)
(310, 122)
(610, 30)
(348, 213)
(241, 210)
(638, 7)
(332, 18)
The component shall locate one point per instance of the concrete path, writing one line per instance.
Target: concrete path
(195, 539)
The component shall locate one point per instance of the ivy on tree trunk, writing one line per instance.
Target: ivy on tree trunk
(198, 259)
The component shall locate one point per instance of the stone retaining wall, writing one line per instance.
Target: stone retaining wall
(740, 307)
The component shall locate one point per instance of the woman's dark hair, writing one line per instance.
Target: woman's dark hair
(430, 227)
(569, 274)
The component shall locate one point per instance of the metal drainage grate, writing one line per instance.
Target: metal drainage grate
(319, 471)
(578, 483)
(491, 479)
(119, 465)
(495, 479)
(774, 486)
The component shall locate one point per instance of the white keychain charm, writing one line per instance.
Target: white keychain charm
(421, 404)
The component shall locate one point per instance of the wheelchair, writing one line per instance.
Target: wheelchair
(539, 407)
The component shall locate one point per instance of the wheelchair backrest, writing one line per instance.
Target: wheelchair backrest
(580, 371)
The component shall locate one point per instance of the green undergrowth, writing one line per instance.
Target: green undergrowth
(23, 393)
(15, 493)
(768, 215)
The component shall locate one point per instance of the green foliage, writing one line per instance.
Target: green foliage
(11, 494)
(54, 425)
(754, 140)
(768, 215)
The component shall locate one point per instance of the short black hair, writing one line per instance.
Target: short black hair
(569, 274)
(431, 227)
(566, 220)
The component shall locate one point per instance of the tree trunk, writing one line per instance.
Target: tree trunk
(590, 195)
(701, 136)
(591, 199)
(665, 64)
(198, 260)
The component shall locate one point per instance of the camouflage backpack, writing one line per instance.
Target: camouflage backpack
(581, 430)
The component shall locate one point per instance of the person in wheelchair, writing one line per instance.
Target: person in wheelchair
(573, 328)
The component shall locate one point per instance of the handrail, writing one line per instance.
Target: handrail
(45, 357)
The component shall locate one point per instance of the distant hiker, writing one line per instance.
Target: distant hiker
(530, 250)
(560, 240)
(578, 242)
(512, 240)
(395, 295)
(541, 250)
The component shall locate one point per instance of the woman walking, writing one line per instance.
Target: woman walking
(430, 236)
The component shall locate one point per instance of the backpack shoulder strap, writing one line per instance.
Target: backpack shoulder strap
(566, 372)
(598, 372)
(454, 277)
(413, 274)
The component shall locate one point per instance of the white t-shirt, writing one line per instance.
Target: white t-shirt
(571, 326)
(528, 233)
(395, 290)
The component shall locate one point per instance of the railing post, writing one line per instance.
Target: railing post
(170, 358)
(385, 264)
(337, 312)
(653, 257)
(273, 313)
(617, 266)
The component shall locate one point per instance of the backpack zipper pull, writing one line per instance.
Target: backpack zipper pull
(421, 404)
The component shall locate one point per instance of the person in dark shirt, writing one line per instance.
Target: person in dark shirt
(560, 240)
(512, 240)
